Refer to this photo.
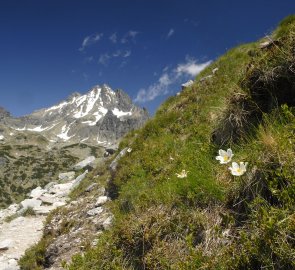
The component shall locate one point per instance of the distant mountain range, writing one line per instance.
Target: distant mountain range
(100, 117)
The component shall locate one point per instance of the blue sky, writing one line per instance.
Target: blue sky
(50, 49)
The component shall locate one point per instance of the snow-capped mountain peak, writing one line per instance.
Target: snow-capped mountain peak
(99, 115)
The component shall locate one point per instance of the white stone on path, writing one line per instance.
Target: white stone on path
(30, 203)
(37, 192)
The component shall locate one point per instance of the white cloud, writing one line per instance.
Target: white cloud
(157, 89)
(129, 36)
(191, 67)
(104, 58)
(126, 54)
(113, 38)
(183, 71)
(170, 33)
(90, 40)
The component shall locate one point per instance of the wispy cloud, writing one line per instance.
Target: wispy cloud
(157, 89)
(129, 36)
(104, 59)
(90, 40)
(89, 59)
(191, 67)
(182, 71)
(113, 38)
(170, 33)
(126, 54)
(117, 53)
(85, 76)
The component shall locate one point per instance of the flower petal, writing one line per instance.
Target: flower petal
(222, 152)
(235, 165)
(229, 152)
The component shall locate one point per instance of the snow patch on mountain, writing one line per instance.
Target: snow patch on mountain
(64, 133)
(119, 113)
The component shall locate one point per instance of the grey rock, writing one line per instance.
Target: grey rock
(49, 199)
(67, 176)
(114, 163)
(4, 113)
(86, 162)
(91, 187)
(78, 180)
(95, 211)
(101, 200)
(50, 185)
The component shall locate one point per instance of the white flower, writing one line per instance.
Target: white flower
(183, 174)
(129, 150)
(225, 156)
(237, 169)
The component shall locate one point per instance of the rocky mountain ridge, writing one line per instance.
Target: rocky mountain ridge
(100, 117)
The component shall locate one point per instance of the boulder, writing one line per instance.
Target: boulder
(78, 180)
(30, 203)
(37, 192)
(101, 200)
(86, 162)
(61, 190)
(48, 198)
(43, 209)
(68, 176)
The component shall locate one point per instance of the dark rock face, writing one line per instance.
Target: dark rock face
(4, 113)
(113, 128)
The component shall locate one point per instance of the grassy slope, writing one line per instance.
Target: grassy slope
(211, 219)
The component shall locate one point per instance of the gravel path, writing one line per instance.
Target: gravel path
(20, 234)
